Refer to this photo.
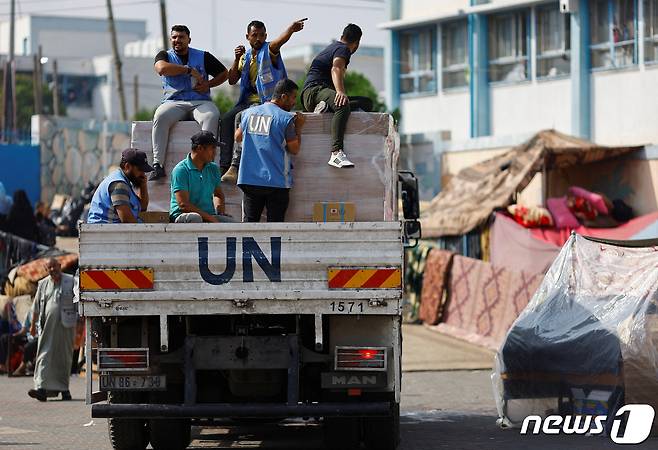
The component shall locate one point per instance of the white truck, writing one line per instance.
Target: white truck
(190, 322)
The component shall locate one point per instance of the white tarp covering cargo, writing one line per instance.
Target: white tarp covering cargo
(588, 340)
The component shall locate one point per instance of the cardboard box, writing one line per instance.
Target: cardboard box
(371, 185)
(334, 212)
(154, 216)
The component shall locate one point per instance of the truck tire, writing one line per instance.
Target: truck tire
(342, 433)
(126, 434)
(170, 434)
(382, 433)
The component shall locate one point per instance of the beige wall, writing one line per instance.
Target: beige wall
(422, 8)
(632, 180)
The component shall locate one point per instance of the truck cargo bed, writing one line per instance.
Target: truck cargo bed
(277, 268)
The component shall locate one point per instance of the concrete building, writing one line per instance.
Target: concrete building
(480, 75)
(82, 48)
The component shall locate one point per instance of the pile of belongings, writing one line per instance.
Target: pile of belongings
(578, 207)
(588, 339)
(69, 212)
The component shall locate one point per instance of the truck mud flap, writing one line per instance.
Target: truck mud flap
(216, 410)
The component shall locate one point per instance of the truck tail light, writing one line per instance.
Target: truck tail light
(361, 358)
(116, 359)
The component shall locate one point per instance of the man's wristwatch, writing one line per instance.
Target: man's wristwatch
(189, 69)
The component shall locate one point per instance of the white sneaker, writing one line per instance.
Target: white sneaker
(339, 160)
(320, 107)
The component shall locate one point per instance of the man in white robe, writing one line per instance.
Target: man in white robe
(54, 319)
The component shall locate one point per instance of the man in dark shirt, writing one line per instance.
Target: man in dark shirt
(185, 75)
(325, 89)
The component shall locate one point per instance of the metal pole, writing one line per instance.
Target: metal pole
(163, 22)
(12, 29)
(117, 62)
(135, 94)
(40, 83)
(55, 89)
(35, 82)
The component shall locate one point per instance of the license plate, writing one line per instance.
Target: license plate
(133, 382)
(351, 380)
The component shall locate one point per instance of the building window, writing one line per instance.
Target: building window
(612, 24)
(454, 48)
(508, 47)
(418, 61)
(650, 30)
(553, 42)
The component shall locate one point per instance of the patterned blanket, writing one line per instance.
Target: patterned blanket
(485, 300)
(433, 295)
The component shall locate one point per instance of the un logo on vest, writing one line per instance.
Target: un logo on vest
(260, 125)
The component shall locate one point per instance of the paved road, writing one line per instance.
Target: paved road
(449, 409)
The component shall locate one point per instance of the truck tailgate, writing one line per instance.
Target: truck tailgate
(245, 261)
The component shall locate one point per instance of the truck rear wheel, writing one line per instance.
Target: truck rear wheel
(342, 433)
(382, 433)
(126, 434)
(170, 434)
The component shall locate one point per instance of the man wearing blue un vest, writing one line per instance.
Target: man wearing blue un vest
(258, 69)
(269, 133)
(185, 73)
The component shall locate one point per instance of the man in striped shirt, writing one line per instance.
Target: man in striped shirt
(115, 200)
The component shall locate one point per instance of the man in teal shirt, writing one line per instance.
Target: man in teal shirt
(196, 195)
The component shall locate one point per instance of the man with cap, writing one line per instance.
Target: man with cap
(115, 199)
(196, 195)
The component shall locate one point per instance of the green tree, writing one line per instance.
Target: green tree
(144, 114)
(25, 101)
(358, 85)
(223, 101)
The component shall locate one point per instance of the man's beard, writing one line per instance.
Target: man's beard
(133, 179)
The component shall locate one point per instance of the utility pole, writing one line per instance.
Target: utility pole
(135, 94)
(55, 89)
(35, 82)
(117, 61)
(9, 96)
(40, 82)
(163, 22)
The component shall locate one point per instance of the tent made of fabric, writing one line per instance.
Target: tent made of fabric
(475, 192)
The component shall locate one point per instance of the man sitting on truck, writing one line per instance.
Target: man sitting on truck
(196, 195)
(324, 89)
(115, 200)
(258, 70)
(184, 71)
(270, 134)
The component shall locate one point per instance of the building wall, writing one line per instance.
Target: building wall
(433, 113)
(76, 37)
(424, 8)
(530, 107)
(19, 169)
(623, 112)
(75, 153)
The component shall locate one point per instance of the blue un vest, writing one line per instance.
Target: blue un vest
(268, 75)
(265, 161)
(101, 203)
(179, 87)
